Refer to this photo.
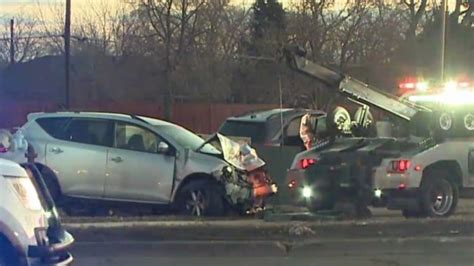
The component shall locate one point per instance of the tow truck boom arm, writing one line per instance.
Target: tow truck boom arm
(352, 88)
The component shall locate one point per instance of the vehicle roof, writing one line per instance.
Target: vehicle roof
(106, 115)
(263, 116)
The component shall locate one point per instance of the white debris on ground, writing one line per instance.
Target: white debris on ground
(300, 230)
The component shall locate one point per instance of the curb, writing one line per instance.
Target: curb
(268, 231)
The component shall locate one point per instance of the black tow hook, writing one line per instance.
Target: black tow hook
(31, 154)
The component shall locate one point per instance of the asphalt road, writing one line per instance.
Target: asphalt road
(414, 251)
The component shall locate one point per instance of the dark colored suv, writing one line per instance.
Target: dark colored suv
(276, 127)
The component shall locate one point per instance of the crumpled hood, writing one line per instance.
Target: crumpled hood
(239, 155)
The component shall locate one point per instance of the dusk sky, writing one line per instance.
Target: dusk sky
(15, 8)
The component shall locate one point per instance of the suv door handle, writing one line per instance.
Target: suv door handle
(56, 150)
(117, 159)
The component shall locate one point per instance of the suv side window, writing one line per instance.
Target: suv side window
(135, 138)
(89, 131)
(293, 129)
(54, 126)
(292, 133)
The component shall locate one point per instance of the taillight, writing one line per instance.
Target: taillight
(400, 166)
(306, 163)
(292, 184)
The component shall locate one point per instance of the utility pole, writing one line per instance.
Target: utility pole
(12, 41)
(67, 52)
(444, 24)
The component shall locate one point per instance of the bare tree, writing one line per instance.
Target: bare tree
(215, 54)
(50, 17)
(314, 24)
(26, 44)
(415, 11)
(174, 23)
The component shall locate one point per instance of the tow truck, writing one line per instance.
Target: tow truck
(422, 170)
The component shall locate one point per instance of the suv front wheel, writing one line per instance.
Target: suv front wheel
(200, 198)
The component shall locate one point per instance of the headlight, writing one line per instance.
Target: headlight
(307, 192)
(26, 192)
(229, 170)
(451, 86)
(378, 193)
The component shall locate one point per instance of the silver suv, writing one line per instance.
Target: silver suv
(127, 158)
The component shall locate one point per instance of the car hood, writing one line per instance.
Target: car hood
(240, 155)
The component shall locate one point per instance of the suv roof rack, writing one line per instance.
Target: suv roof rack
(136, 117)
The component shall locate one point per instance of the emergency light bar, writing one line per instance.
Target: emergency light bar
(421, 86)
(457, 97)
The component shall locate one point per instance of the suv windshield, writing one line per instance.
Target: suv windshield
(253, 130)
(186, 138)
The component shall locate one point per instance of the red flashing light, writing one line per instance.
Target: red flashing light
(402, 186)
(464, 84)
(407, 85)
(306, 163)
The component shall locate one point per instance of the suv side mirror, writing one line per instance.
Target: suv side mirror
(163, 148)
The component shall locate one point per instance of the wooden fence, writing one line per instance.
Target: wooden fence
(199, 117)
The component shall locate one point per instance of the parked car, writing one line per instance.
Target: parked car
(275, 127)
(124, 158)
(30, 230)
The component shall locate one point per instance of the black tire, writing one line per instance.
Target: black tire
(201, 198)
(8, 255)
(51, 182)
(368, 129)
(339, 120)
(325, 201)
(468, 120)
(439, 197)
(461, 124)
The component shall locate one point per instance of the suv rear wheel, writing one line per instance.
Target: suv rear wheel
(201, 198)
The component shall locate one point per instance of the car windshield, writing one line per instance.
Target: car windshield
(186, 138)
(253, 130)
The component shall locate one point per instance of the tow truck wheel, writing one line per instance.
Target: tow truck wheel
(443, 125)
(339, 120)
(324, 201)
(469, 122)
(200, 198)
(364, 126)
(439, 196)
